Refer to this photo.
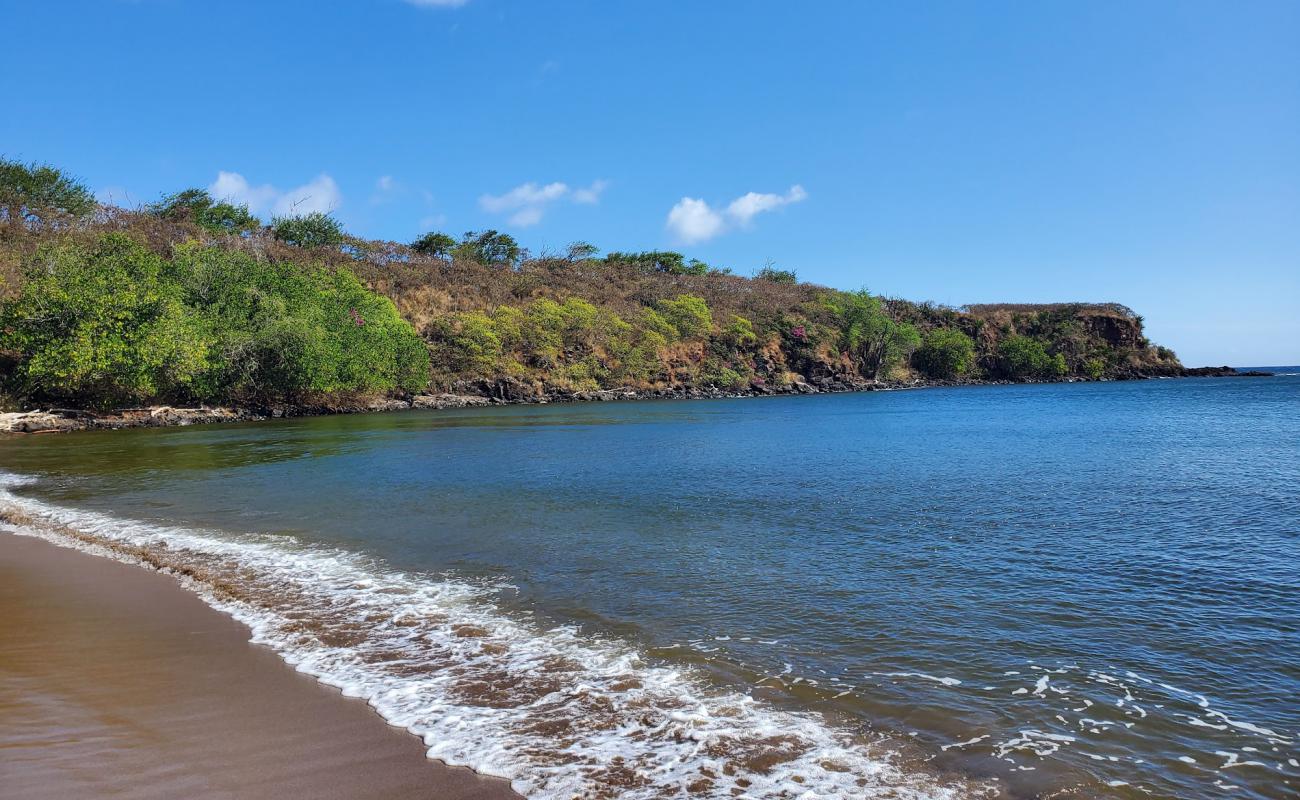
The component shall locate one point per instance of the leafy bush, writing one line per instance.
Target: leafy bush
(197, 206)
(40, 193)
(738, 332)
(688, 315)
(1023, 357)
(438, 245)
(103, 325)
(117, 323)
(665, 261)
(875, 339)
(312, 230)
(773, 275)
(945, 353)
(581, 251)
(489, 247)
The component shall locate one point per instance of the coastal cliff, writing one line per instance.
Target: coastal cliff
(194, 304)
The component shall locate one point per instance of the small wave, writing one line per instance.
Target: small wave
(923, 676)
(558, 713)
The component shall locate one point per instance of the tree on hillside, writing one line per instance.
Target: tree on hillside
(945, 353)
(874, 339)
(489, 247)
(770, 273)
(1023, 357)
(40, 193)
(197, 206)
(102, 325)
(581, 251)
(654, 261)
(434, 243)
(312, 230)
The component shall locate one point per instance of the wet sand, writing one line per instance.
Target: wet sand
(116, 682)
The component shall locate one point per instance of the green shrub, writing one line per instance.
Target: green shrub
(945, 353)
(724, 377)
(118, 323)
(1023, 357)
(438, 245)
(738, 332)
(665, 261)
(581, 251)
(689, 316)
(104, 325)
(489, 247)
(1095, 368)
(466, 343)
(869, 333)
(773, 275)
(40, 193)
(197, 206)
(311, 230)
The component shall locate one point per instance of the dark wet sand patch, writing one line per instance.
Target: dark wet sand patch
(115, 682)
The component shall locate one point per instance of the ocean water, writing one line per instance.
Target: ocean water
(1070, 590)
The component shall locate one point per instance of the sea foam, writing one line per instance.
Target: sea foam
(557, 712)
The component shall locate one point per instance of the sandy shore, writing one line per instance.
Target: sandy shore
(116, 682)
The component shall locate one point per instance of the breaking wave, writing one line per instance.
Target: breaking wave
(558, 713)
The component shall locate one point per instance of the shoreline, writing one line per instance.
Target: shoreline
(116, 681)
(490, 393)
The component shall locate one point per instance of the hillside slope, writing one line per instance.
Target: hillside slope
(191, 301)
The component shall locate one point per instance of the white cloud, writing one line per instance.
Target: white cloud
(525, 217)
(591, 194)
(320, 194)
(386, 189)
(743, 209)
(437, 3)
(234, 188)
(693, 220)
(527, 202)
(526, 194)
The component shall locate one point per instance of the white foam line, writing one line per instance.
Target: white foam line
(430, 655)
(921, 675)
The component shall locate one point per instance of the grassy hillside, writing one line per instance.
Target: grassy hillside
(192, 300)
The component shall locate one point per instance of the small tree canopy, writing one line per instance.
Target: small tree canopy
(770, 273)
(313, 230)
(873, 337)
(39, 193)
(434, 243)
(489, 247)
(581, 251)
(1023, 357)
(945, 353)
(197, 206)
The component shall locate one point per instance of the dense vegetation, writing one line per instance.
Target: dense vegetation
(193, 299)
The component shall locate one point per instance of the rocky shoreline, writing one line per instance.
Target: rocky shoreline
(468, 394)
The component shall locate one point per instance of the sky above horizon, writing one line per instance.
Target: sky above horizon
(1143, 153)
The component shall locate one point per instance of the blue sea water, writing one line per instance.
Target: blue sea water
(1086, 589)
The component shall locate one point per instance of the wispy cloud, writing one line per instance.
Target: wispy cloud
(527, 203)
(319, 194)
(744, 208)
(386, 189)
(693, 220)
(590, 195)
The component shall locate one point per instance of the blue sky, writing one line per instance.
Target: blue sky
(1147, 153)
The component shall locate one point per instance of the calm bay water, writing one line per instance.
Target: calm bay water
(1085, 588)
